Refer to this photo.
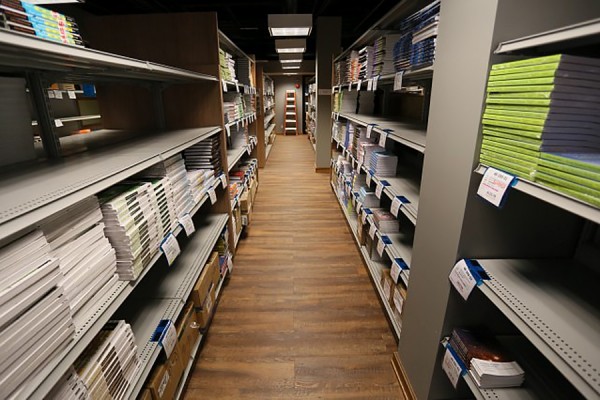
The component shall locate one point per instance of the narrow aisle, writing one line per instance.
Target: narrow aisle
(299, 317)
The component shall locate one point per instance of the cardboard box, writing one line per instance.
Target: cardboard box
(203, 313)
(362, 232)
(146, 395)
(208, 277)
(245, 201)
(388, 285)
(166, 376)
(237, 213)
(397, 300)
(187, 330)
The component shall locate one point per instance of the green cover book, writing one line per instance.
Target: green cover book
(595, 201)
(545, 76)
(515, 132)
(511, 159)
(511, 169)
(586, 161)
(554, 88)
(574, 111)
(573, 186)
(512, 145)
(523, 142)
(543, 113)
(592, 182)
(555, 59)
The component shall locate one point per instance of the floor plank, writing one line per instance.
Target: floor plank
(299, 318)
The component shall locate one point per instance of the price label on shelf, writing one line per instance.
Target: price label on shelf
(228, 129)
(223, 179)
(381, 246)
(452, 367)
(58, 123)
(237, 124)
(368, 178)
(364, 215)
(188, 224)
(494, 186)
(375, 80)
(398, 81)
(249, 149)
(51, 94)
(379, 190)
(370, 130)
(369, 85)
(465, 275)
(383, 138)
(58, 94)
(359, 165)
(372, 230)
(167, 336)
(336, 116)
(237, 87)
(213, 195)
(71, 94)
(224, 86)
(170, 246)
(358, 85)
(398, 266)
(397, 202)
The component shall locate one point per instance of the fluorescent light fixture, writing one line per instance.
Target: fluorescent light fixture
(289, 66)
(290, 45)
(290, 24)
(297, 60)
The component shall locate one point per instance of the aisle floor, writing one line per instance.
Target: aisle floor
(299, 317)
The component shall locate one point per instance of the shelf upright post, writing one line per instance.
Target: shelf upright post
(36, 84)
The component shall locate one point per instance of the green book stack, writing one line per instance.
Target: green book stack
(545, 105)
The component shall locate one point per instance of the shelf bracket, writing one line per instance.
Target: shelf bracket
(45, 119)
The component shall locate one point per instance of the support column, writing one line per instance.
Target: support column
(329, 38)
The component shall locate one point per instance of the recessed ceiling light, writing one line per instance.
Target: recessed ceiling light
(297, 60)
(290, 24)
(288, 66)
(290, 45)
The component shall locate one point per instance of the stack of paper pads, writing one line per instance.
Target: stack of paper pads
(368, 197)
(87, 260)
(383, 60)
(20, 16)
(234, 109)
(366, 57)
(244, 72)
(105, 369)
(200, 181)
(352, 67)
(366, 150)
(383, 163)
(205, 155)
(35, 319)
(360, 136)
(541, 123)
(385, 221)
(227, 66)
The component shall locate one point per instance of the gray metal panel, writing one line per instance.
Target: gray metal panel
(562, 326)
(19, 51)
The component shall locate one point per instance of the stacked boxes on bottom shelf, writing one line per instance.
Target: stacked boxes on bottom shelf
(203, 294)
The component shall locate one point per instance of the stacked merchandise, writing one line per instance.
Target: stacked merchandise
(133, 225)
(87, 260)
(244, 72)
(368, 198)
(343, 166)
(201, 180)
(338, 98)
(336, 130)
(222, 247)
(227, 66)
(105, 369)
(339, 76)
(359, 137)
(171, 190)
(366, 57)
(30, 19)
(35, 320)
(180, 185)
(383, 60)
(237, 182)
(486, 360)
(235, 109)
(366, 150)
(385, 221)
(541, 122)
(402, 50)
(348, 135)
(383, 163)
(205, 155)
(352, 67)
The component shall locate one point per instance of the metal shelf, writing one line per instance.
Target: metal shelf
(236, 239)
(579, 34)
(235, 155)
(375, 268)
(551, 303)
(417, 74)
(73, 119)
(269, 118)
(248, 117)
(19, 51)
(554, 197)
(269, 130)
(62, 184)
(412, 135)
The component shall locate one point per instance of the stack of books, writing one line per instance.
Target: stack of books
(244, 72)
(200, 181)
(339, 73)
(87, 260)
(366, 57)
(352, 67)
(384, 54)
(227, 66)
(360, 135)
(487, 361)
(35, 318)
(545, 105)
(205, 155)
(348, 135)
(402, 50)
(105, 369)
(234, 109)
(383, 163)
(21, 16)
(368, 198)
(385, 221)
(133, 226)
(366, 150)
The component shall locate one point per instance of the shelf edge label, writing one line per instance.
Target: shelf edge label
(494, 186)
(170, 247)
(188, 224)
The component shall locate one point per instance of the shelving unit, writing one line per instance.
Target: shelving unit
(311, 113)
(266, 119)
(538, 303)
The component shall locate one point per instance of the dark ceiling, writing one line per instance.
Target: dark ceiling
(245, 22)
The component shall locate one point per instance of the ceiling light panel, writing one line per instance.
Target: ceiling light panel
(290, 24)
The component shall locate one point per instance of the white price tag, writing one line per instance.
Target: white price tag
(359, 166)
(249, 149)
(382, 138)
(71, 95)
(370, 85)
(212, 195)
(170, 246)
(358, 85)
(396, 204)
(223, 179)
(372, 230)
(228, 129)
(398, 81)
(375, 80)
(237, 87)
(168, 339)
(368, 178)
(188, 224)
(494, 185)
(379, 190)
(398, 301)
(58, 123)
(58, 94)
(51, 94)
(224, 86)
(462, 279)
(395, 272)
(364, 217)
(381, 247)
(386, 290)
(369, 130)
(452, 368)
(237, 124)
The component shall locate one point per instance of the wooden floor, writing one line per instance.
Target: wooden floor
(299, 317)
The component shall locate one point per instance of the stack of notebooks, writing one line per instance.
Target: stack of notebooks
(87, 260)
(35, 319)
(487, 361)
(234, 109)
(106, 367)
(402, 49)
(366, 57)
(133, 226)
(366, 150)
(336, 130)
(383, 163)
(352, 67)
(348, 135)
(338, 98)
(227, 65)
(368, 198)
(205, 155)
(384, 54)
(344, 166)
(385, 221)
(244, 72)
(546, 105)
(200, 181)
(21, 16)
(339, 72)
(360, 136)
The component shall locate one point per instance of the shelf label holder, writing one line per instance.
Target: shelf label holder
(494, 186)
